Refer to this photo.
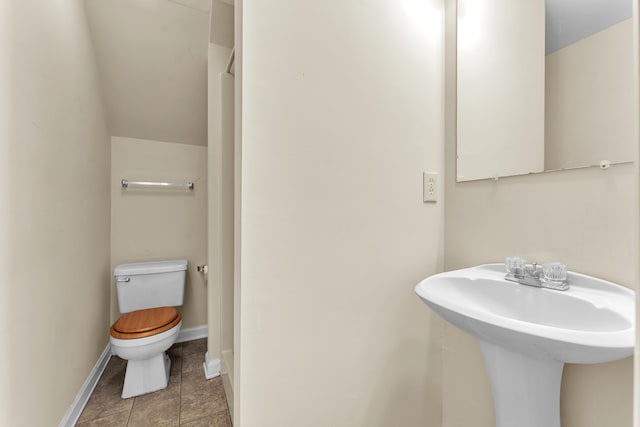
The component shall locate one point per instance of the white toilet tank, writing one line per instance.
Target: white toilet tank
(150, 284)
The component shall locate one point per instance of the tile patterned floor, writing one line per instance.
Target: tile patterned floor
(189, 400)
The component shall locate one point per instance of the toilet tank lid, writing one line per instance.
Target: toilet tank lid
(131, 269)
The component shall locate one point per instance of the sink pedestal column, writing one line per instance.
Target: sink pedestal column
(526, 390)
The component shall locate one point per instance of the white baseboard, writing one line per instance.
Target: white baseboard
(226, 373)
(190, 334)
(211, 367)
(76, 408)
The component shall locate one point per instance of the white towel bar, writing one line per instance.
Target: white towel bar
(126, 183)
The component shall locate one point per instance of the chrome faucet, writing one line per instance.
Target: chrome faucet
(551, 275)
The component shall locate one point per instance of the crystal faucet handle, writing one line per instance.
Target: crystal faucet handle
(554, 273)
(515, 265)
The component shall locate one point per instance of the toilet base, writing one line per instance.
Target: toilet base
(146, 376)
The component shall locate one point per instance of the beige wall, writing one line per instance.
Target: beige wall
(54, 210)
(341, 114)
(588, 113)
(159, 224)
(583, 217)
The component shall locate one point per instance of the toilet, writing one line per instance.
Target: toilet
(148, 293)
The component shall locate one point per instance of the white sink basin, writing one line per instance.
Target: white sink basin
(526, 334)
(592, 322)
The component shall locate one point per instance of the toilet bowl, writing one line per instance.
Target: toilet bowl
(144, 349)
(150, 324)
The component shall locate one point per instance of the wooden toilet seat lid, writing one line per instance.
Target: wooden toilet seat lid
(144, 323)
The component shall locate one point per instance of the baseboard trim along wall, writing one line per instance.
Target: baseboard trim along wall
(76, 408)
(195, 333)
(226, 372)
(211, 367)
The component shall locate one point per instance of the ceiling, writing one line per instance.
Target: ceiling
(152, 61)
(568, 21)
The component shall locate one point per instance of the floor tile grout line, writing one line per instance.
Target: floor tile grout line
(130, 411)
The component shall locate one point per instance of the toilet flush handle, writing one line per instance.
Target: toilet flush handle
(123, 279)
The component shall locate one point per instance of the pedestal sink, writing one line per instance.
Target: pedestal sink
(526, 334)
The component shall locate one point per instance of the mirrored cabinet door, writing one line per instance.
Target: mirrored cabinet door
(542, 85)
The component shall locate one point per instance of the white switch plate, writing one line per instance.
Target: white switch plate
(429, 187)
